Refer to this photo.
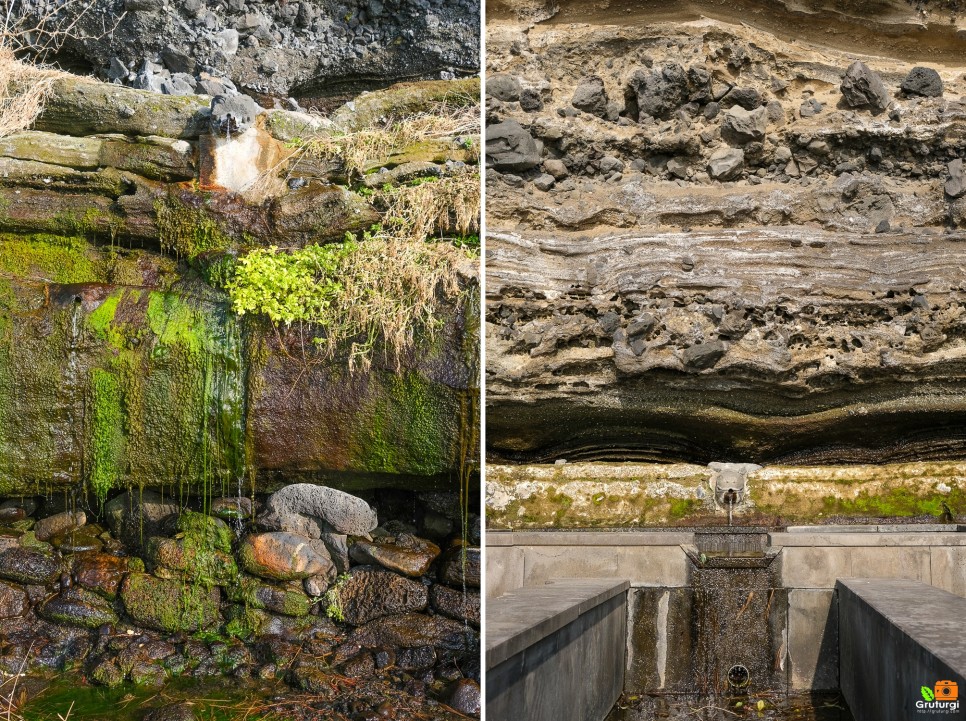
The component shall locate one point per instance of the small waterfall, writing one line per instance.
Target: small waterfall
(73, 394)
(738, 612)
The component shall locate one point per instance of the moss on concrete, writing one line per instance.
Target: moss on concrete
(603, 495)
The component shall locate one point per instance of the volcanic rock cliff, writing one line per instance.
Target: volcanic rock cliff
(726, 232)
(123, 216)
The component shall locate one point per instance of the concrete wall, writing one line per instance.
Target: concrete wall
(556, 652)
(896, 637)
(810, 562)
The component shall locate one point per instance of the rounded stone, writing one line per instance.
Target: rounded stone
(410, 555)
(284, 556)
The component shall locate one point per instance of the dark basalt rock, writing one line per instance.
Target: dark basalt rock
(26, 566)
(509, 147)
(461, 565)
(371, 592)
(923, 81)
(591, 96)
(862, 87)
(463, 606)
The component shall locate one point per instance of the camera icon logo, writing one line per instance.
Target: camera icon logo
(946, 691)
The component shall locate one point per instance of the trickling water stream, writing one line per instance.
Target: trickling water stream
(727, 637)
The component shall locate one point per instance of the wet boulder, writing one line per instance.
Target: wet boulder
(463, 606)
(136, 516)
(101, 573)
(230, 509)
(862, 87)
(85, 539)
(409, 555)
(47, 528)
(510, 147)
(166, 605)
(461, 564)
(13, 601)
(28, 566)
(285, 557)
(76, 606)
(311, 510)
(923, 81)
(370, 592)
(464, 697)
(412, 630)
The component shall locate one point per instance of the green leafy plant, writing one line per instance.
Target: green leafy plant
(333, 599)
(927, 693)
(379, 293)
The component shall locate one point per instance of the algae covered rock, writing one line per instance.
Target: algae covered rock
(287, 600)
(172, 606)
(284, 557)
(191, 560)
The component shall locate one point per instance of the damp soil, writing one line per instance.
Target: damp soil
(767, 707)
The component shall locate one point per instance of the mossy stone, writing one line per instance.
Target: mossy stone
(171, 606)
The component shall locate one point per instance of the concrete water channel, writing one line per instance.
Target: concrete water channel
(811, 622)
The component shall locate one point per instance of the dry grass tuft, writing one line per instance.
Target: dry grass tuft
(382, 293)
(448, 206)
(360, 150)
(23, 91)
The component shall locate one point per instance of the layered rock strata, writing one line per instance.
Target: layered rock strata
(714, 239)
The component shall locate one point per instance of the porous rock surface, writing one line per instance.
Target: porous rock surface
(306, 50)
(754, 253)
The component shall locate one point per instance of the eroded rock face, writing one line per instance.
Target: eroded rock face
(750, 261)
(192, 48)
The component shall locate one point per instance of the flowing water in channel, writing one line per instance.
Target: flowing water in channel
(736, 643)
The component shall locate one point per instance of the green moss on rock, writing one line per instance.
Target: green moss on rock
(106, 437)
(409, 427)
(168, 605)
